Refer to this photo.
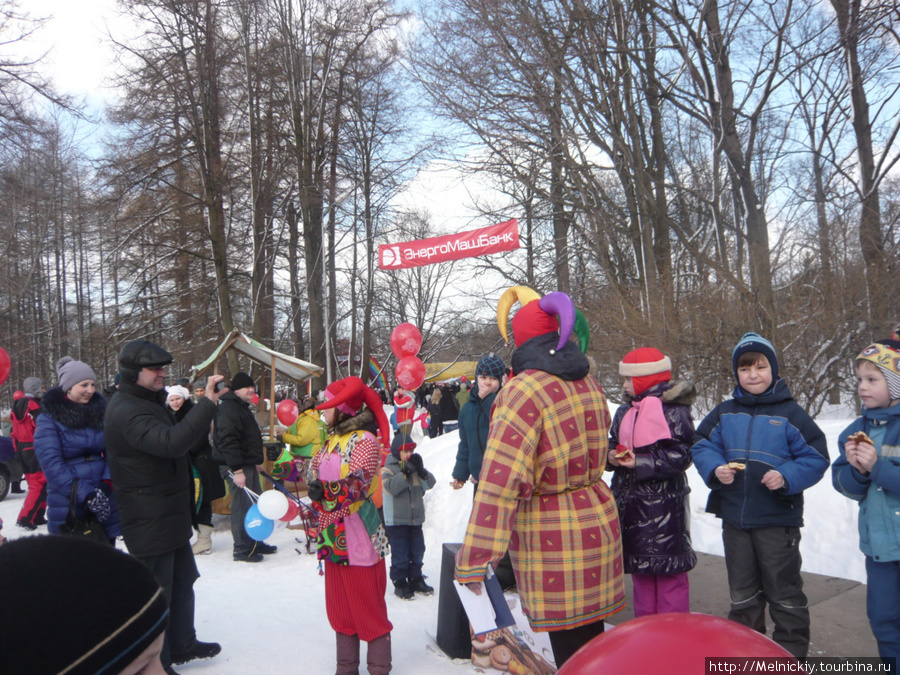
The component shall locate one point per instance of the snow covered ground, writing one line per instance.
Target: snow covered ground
(270, 617)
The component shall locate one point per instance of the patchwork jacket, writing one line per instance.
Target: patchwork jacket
(541, 492)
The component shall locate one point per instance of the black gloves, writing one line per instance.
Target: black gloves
(407, 469)
(415, 461)
(273, 452)
(315, 490)
(98, 502)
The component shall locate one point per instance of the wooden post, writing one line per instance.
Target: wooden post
(272, 403)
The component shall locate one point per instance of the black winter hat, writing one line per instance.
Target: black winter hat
(139, 354)
(103, 608)
(402, 441)
(241, 380)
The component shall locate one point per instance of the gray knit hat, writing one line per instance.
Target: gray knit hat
(71, 372)
(33, 386)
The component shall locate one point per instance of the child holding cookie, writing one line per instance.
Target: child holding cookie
(868, 471)
(650, 450)
(783, 452)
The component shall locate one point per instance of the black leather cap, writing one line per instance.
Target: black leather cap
(139, 354)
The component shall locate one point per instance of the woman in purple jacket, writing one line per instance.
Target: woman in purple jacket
(650, 449)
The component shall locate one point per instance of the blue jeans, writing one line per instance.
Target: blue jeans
(883, 580)
(407, 552)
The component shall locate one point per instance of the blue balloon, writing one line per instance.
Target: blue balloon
(257, 525)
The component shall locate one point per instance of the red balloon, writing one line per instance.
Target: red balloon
(6, 365)
(286, 412)
(406, 340)
(17, 394)
(410, 372)
(293, 510)
(681, 645)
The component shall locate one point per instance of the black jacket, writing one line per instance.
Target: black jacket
(652, 498)
(148, 461)
(238, 438)
(202, 460)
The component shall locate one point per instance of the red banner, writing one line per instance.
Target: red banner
(493, 239)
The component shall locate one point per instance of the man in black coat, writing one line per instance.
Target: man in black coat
(239, 444)
(151, 476)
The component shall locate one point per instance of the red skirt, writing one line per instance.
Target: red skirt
(354, 599)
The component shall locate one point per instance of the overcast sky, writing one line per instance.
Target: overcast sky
(79, 58)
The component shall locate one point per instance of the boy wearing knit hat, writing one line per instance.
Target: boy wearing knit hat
(867, 472)
(405, 480)
(757, 453)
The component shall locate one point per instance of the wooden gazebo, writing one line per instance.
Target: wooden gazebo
(287, 366)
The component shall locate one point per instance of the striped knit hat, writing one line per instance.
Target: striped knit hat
(752, 342)
(646, 367)
(103, 608)
(885, 354)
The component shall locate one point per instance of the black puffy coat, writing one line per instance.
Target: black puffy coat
(652, 498)
(148, 461)
(202, 461)
(238, 438)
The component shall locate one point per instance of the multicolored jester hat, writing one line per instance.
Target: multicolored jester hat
(538, 314)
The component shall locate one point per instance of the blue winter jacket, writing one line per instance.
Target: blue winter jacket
(474, 422)
(878, 493)
(769, 431)
(69, 444)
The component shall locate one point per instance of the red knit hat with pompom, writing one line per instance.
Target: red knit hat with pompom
(646, 367)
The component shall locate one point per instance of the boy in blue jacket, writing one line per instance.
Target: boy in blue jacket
(868, 471)
(757, 453)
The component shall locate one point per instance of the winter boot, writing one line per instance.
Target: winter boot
(378, 655)
(203, 545)
(402, 590)
(347, 654)
(418, 585)
(197, 652)
(247, 557)
(265, 549)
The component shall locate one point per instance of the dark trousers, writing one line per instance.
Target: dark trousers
(763, 566)
(407, 551)
(567, 642)
(176, 572)
(882, 608)
(240, 504)
(204, 514)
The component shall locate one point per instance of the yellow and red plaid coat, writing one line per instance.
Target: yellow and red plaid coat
(541, 494)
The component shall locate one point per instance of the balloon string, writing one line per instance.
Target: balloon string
(250, 493)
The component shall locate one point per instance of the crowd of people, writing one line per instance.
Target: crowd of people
(536, 440)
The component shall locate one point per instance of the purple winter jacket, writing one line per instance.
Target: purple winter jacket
(652, 498)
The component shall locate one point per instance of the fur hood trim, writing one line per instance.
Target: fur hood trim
(679, 392)
(73, 415)
(363, 421)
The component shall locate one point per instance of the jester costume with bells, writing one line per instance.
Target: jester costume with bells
(352, 542)
(541, 491)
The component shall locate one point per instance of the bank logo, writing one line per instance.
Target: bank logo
(391, 257)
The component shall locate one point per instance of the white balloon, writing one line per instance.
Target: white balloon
(272, 504)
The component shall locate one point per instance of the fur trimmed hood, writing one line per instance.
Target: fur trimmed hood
(73, 415)
(364, 421)
(679, 392)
